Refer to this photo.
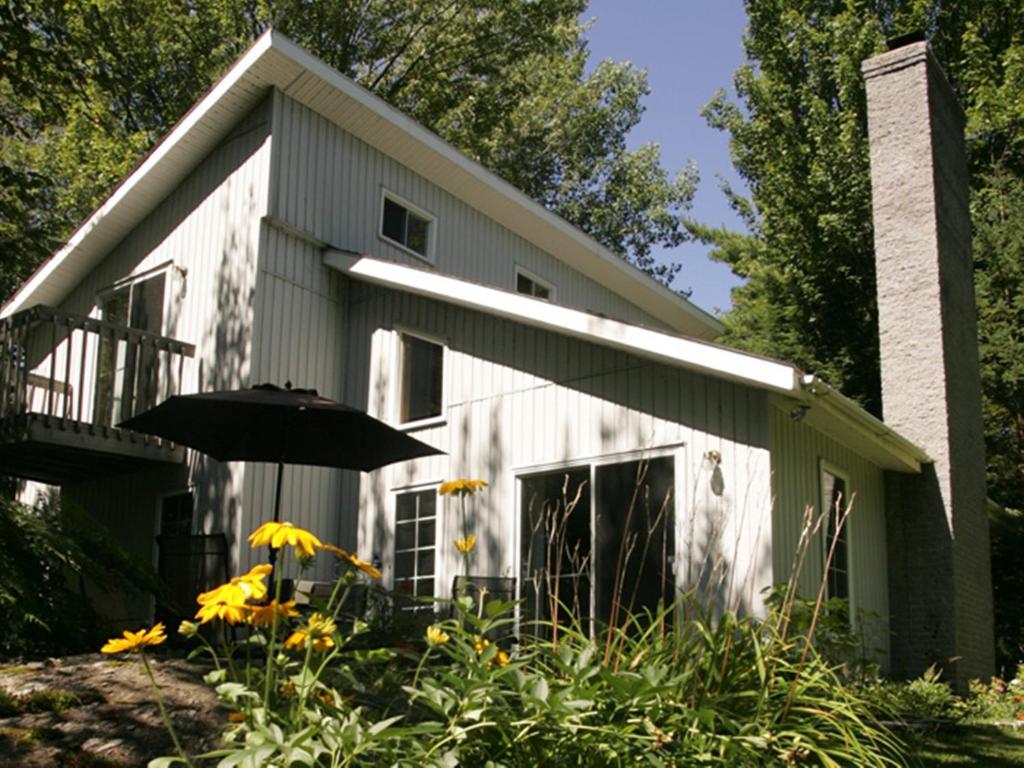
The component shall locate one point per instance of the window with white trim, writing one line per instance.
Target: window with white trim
(835, 497)
(406, 225)
(415, 543)
(422, 379)
(529, 284)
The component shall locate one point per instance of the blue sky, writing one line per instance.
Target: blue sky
(690, 48)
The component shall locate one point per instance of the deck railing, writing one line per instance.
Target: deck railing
(75, 371)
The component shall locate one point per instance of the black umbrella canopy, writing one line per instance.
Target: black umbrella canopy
(285, 426)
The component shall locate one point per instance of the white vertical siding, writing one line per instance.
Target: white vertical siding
(329, 184)
(298, 336)
(518, 398)
(797, 452)
(208, 228)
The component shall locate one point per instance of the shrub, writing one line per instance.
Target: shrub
(718, 689)
(45, 554)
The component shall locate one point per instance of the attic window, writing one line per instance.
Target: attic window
(529, 284)
(407, 226)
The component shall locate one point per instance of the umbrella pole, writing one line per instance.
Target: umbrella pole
(277, 507)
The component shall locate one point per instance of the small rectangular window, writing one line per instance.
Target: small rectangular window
(422, 367)
(531, 285)
(403, 224)
(176, 514)
(836, 498)
(415, 543)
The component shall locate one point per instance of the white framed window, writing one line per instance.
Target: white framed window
(407, 226)
(415, 551)
(836, 498)
(531, 285)
(421, 380)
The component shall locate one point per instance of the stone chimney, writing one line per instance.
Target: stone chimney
(939, 573)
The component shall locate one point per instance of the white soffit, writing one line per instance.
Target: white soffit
(275, 61)
(664, 347)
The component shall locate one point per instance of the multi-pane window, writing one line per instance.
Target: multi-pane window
(415, 543)
(402, 224)
(422, 370)
(531, 285)
(176, 514)
(836, 498)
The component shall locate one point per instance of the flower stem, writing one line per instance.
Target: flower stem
(278, 570)
(163, 710)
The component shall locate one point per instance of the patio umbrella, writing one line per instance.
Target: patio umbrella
(285, 426)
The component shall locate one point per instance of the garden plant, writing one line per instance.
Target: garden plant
(316, 687)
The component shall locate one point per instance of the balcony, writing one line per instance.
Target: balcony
(66, 380)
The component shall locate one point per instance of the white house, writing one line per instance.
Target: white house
(295, 227)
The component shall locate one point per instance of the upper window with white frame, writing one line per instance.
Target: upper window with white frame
(835, 496)
(421, 394)
(529, 284)
(405, 225)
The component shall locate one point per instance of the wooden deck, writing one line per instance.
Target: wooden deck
(66, 381)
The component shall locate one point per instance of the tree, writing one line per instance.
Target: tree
(87, 86)
(799, 140)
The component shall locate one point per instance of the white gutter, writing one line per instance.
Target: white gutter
(858, 422)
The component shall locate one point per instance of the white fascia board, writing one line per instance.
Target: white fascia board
(32, 291)
(663, 347)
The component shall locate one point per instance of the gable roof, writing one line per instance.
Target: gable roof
(274, 61)
(820, 405)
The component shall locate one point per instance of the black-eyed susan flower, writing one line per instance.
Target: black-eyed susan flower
(461, 487)
(318, 632)
(277, 535)
(131, 642)
(263, 615)
(354, 560)
(436, 635)
(229, 601)
(465, 545)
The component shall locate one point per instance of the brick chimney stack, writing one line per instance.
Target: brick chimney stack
(938, 538)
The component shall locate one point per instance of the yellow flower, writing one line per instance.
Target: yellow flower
(502, 658)
(229, 612)
(317, 632)
(135, 641)
(278, 535)
(465, 546)
(461, 487)
(480, 645)
(187, 629)
(436, 635)
(263, 615)
(352, 560)
(241, 588)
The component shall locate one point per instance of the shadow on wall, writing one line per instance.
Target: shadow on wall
(724, 526)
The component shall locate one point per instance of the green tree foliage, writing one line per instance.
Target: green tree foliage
(87, 86)
(799, 141)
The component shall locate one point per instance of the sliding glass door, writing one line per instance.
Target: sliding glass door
(596, 543)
